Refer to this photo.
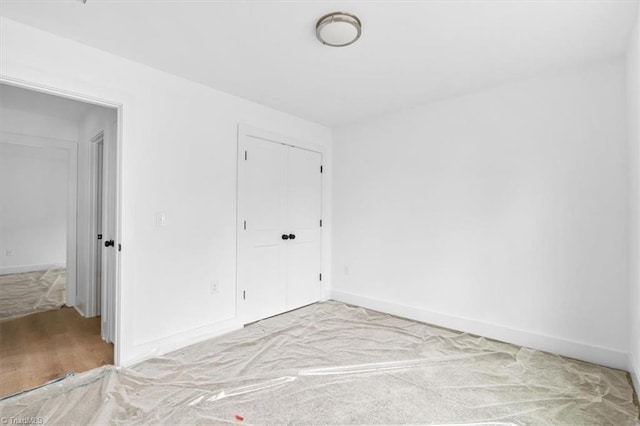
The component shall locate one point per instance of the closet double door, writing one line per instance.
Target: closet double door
(279, 227)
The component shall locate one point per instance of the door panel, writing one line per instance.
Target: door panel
(264, 283)
(303, 270)
(304, 189)
(109, 232)
(261, 274)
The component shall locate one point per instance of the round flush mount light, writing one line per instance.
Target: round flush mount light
(338, 29)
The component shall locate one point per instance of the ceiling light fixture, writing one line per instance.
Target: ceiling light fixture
(338, 29)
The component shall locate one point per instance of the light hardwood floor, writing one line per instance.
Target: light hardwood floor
(41, 347)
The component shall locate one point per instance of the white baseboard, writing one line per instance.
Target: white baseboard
(27, 268)
(569, 348)
(154, 348)
(634, 370)
(82, 314)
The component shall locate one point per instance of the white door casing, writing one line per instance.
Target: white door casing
(279, 194)
(94, 293)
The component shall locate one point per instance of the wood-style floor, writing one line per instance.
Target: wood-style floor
(41, 347)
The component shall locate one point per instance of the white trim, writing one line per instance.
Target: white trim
(28, 268)
(556, 345)
(71, 148)
(157, 347)
(78, 310)
(92, 243)
(117, 288)
(124, 98)
(634, 371)
(254, 132)
(24, 84)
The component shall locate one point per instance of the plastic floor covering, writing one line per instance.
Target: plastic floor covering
(330, 363)
(32, 292)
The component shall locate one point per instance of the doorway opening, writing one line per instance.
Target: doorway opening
(58, 197)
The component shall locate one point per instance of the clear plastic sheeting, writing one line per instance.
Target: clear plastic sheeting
(32, 292)
(329, 363)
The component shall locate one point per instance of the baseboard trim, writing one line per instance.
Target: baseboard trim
(634, 371)
(565, 347)
(27, 268)
(78, 310)
(158, 347)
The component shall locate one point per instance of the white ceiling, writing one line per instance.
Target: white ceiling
(43, 104)
(410, 52)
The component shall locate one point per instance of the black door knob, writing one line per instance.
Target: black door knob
(109, 243)
(285, 237)
(292, 236)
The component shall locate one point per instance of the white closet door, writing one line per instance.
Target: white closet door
(303, 214)
(261, 257)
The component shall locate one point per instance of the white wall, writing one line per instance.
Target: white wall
(25, 228)
(27, 123)
(633, 83)
(502, 213)
(178, 156)
(33, 200)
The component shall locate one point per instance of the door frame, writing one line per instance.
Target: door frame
(93, 308)
(245, 130)
(117, 209)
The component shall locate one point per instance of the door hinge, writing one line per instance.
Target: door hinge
(320, 169)
(245, 225)
(244, 295)
(245, 156)
(320, 277)
(320, 223)
(119, 247)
